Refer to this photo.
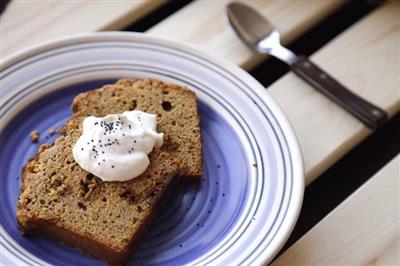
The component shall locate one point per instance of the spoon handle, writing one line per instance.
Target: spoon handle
(371, 115)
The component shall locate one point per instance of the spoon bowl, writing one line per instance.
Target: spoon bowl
(257, 32)
(252, 27)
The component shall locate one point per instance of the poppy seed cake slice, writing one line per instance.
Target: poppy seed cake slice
(176, 107)
(60, 200)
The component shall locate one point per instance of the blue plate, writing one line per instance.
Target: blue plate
(250, 195)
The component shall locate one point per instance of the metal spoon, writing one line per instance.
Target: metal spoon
(258, 34)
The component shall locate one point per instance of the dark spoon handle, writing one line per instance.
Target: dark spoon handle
(371, 115)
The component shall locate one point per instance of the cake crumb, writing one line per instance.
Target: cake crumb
(52, 131)
(35, 136)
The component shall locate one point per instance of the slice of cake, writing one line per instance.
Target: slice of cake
(176, 107)
(61, 201)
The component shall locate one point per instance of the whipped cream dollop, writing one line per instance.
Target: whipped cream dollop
(115, 147)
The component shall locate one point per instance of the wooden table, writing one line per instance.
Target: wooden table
(364, 228)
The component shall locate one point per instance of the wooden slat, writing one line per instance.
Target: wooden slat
(365, 58)
(26, 23)
(204, 23)
(363, 230)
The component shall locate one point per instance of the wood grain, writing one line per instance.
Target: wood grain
(26, 23)
(363, 230)
(204, 23)
(365, 58)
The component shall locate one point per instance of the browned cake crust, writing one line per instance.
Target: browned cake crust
(175, 105)
(104, 219)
